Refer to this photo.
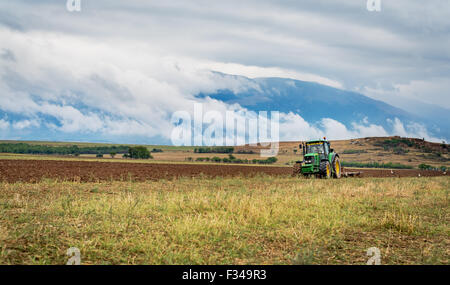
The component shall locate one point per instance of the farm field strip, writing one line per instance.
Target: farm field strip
(172, 158)
(91, 171)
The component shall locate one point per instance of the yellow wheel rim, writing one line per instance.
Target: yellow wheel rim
(337, 167)
(328, 170)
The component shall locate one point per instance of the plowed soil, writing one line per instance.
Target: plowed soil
(85, 171)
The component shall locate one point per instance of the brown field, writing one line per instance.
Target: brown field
(91, 171)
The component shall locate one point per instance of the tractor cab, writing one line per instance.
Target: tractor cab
(318, 149)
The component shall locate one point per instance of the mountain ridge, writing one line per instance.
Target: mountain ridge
(314, 101)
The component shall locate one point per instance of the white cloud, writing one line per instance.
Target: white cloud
(4, 125)
(294, 127)
(121, 91)
(257, 71)
(433, 91)
(369, 130)
(412, 130)
(24, 124)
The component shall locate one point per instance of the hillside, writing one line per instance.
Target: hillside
(407, 151)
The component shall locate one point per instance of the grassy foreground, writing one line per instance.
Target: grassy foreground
(261, 220)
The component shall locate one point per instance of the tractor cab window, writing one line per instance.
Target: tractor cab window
(327, 148)
(314, 148)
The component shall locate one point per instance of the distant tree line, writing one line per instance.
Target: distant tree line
(62, 150)
(232, 159)
(354, 151)
(245, 151)
(216, 149)
(424, 166)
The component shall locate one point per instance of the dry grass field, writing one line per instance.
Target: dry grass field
(257, 220)
(238, 219)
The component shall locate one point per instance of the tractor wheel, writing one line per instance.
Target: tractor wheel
(297, 169)
(337, 168)
(325, 169)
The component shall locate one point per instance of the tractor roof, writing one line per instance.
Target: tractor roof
(316, 141)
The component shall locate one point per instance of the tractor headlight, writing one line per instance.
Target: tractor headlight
(309, 159)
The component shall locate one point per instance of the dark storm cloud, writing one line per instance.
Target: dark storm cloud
(382, 54)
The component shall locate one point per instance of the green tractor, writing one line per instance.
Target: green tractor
(318, 160)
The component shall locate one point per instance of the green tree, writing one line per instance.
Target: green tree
(139, 152)
(424, 166)
(216, 159)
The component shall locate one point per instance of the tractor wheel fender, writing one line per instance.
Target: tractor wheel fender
(334, 156)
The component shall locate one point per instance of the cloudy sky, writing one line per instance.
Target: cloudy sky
(123, 67)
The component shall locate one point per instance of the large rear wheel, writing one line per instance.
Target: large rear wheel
(337, 168)
(325, 169)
